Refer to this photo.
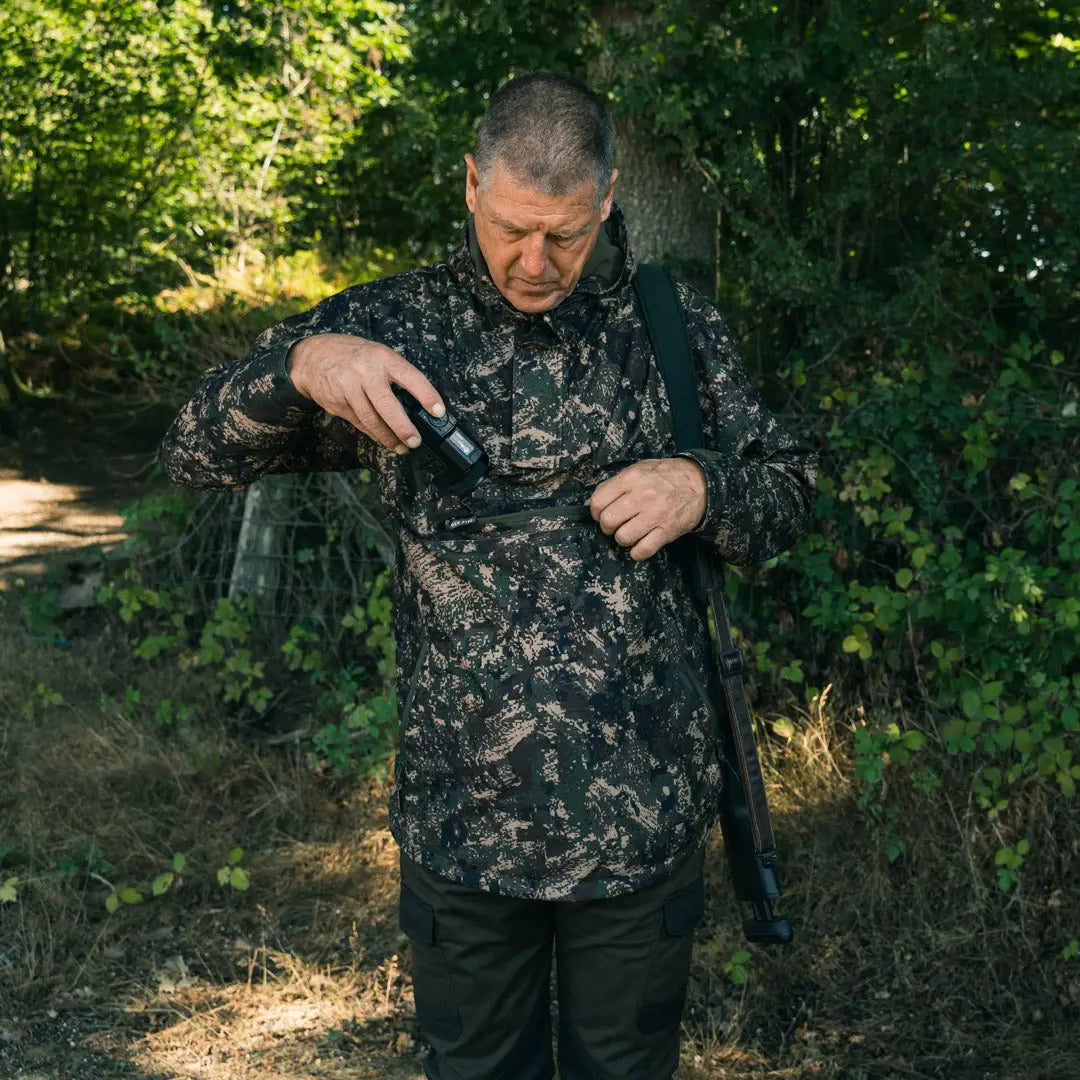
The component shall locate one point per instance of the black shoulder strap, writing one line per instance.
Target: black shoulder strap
(667, 331)
(745, 818)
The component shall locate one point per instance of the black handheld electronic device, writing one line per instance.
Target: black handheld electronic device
(464, 461)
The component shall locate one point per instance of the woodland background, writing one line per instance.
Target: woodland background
(195, 876)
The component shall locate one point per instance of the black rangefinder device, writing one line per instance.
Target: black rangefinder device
(463, 459)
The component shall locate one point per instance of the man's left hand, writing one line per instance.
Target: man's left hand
(651, 503)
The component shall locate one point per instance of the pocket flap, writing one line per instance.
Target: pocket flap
(683, 910)
(416, 918)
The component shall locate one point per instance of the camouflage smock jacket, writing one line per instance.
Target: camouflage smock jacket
(556, 738)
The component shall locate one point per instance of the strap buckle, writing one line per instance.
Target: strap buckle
(731, 663)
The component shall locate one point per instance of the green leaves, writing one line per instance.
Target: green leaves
(182, 131)
(913, 740)
(1008, 862)
(124, 894)
(736, 967)
(41, 700)
(235, 876)
(232, 874)
(858, 642)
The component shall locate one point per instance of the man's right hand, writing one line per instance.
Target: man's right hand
(352, 377)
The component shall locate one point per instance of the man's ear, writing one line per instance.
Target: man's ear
(472, 182)
(605, 204)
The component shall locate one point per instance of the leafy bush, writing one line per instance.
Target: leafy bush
(353, 703)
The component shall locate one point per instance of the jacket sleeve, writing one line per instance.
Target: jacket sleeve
(247, 418)
(760, 478)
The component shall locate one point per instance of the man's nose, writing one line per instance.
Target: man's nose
(534, 255)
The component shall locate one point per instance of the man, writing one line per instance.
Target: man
(558, 771)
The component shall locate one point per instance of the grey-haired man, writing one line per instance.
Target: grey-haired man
(558, 767)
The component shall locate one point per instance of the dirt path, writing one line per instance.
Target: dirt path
(66, 477)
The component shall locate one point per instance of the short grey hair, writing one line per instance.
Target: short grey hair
(550, 131)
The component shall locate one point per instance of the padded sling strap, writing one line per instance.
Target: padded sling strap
(745, 818)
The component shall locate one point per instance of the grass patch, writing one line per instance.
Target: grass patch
(303, 964)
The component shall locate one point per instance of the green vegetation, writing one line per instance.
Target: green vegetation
(891, 196)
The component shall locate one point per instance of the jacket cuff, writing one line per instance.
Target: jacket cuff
(714, 487)
(273, 397)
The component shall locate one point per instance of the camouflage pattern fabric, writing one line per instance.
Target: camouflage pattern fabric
(557, 740)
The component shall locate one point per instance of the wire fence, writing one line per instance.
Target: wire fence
(306, 548)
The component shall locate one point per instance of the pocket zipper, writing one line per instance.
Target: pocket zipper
(413, 680)
(573, 514)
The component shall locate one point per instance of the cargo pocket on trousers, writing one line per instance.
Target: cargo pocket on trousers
(433, 989)
(665, 990)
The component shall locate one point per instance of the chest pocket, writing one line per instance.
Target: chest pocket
(539, 399)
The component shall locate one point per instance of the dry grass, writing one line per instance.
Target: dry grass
(919, 968)
(303, 965)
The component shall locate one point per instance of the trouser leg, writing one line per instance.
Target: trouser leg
(622, 971)
(481, 967)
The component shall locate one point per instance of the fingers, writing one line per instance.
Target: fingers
(630, 532)
(414, 380)
(636, 510)
(397, 429)
(366, 417)
(649, 544)
(632, 528)
(639, 532)
(616, 514)
(606, 493)
(353, 377)
(358, 410)
(392, 415)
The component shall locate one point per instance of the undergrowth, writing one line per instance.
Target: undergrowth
(155, 790)
(152, 347)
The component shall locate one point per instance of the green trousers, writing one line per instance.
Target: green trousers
(481, 969)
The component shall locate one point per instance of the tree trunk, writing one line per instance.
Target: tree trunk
(9, 391)
(670, 219)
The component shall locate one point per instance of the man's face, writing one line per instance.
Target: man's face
(535, 245)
